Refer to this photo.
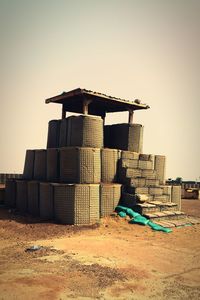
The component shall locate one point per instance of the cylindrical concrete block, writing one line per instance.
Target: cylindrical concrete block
(33, 198)
(85, 131)
(135, 138)
(110, 195)
(22, 196)
(76, 204)
(176, 195)
(159, 167)
(53, 134)
(46, 201)
(109, 165)
(63, 132)
(80, 165)
(28, 172)
(124, 137)
(53, 165)
(10, 193)
(40, 165)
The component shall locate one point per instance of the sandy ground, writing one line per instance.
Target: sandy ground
(111, 260)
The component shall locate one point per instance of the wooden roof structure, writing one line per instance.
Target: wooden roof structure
(94, 103)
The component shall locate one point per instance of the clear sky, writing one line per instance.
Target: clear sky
(145, 49)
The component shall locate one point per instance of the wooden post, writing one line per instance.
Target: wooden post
(63, 112)
(104, 119)
(85, 107)
(130, 118)
(86, 103)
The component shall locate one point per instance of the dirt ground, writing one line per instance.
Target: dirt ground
(110, 260)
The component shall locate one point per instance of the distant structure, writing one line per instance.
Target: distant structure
(189, 189)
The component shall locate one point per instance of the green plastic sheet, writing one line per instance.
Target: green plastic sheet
(136, 218)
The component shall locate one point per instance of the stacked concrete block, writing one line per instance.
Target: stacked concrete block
(109, 164)
(28, 172)
(145, 165)
(53, 165)
(149, 174)
(124, 137)
(141, 190)
(136, 182)
(21, 196)
(151, 182)
(160, 168)
(129, 173)
(53, 134)
(129, 155)
(110, 195)
(129, 163)
(163, 198)
(138, 167)
(86, 176)
(46, 204)
(40, 165)
(33, 198)
(143, 176)
(80, 165)
(167, 190)
(146, 157)
(76, 203)
(158, 191)
(144, 197)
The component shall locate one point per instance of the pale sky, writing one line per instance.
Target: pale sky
(145, 49)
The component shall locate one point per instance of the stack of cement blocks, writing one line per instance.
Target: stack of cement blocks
(79, 177)
(73, 181)
(143, 176)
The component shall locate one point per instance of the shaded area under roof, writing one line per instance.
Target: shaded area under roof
(98, 104)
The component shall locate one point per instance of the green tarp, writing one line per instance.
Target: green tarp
(136, 218)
